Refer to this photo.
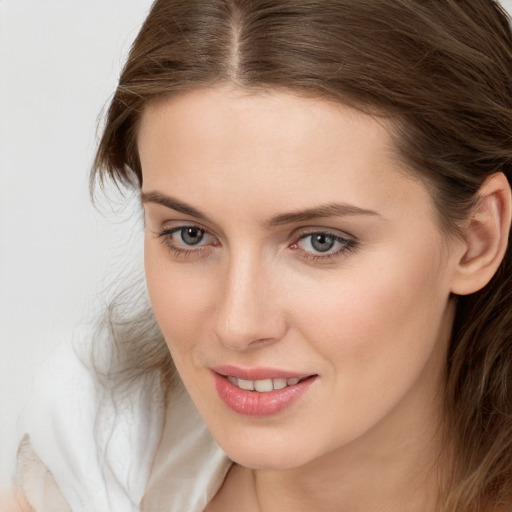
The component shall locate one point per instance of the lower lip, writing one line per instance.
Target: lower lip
(254, 403)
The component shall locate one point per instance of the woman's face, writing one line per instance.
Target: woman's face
(285, 242)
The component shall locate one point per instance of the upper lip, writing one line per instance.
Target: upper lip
(258, 373)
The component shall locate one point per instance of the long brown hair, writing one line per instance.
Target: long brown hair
(442, 70)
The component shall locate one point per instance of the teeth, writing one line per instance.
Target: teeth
(233, 380)
(246, 384)
(279, 383)
(264, 385)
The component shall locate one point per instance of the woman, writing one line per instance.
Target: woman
(326, 190)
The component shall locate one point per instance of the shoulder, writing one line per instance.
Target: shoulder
(89, 441)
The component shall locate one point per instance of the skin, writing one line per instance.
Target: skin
(372, 321)
(14, 503)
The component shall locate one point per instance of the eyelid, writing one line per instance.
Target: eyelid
(174, 226)
(310, 230)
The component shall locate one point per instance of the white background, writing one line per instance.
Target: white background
(59, 62)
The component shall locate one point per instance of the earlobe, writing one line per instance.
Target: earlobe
(486, 236)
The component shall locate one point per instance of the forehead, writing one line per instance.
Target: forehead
(223, 142)
(256, 110)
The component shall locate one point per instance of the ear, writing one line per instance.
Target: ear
(486, 236)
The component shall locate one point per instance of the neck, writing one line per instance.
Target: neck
(402, 477)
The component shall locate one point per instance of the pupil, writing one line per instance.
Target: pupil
(322, 243)
(192, 236)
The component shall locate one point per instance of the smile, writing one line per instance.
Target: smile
(260, 392)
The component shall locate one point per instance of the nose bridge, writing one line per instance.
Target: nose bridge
(246, 312)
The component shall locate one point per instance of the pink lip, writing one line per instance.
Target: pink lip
(253, 403)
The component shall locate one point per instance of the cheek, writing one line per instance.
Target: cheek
(181, 300)
(377, 321)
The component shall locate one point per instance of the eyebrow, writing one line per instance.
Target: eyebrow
(173, 204)
(326, 210)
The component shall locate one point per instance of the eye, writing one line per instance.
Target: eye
(191, 235)
(184, 240)
(321, 242)
(323, 245)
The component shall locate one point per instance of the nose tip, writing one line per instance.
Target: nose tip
(241, 325)
(237, 340)
(247, 312)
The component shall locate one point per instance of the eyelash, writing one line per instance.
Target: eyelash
(348, 245)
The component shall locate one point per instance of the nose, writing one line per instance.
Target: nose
(248, 312)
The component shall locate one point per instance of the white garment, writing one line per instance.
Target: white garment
(98, 456)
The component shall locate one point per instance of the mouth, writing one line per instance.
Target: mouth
(260, 392)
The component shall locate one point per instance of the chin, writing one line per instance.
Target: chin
(268, 461)
(275, 453)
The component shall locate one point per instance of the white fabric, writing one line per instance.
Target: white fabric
(189, 467)
(101, 454)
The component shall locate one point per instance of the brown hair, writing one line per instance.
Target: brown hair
(442, 70)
